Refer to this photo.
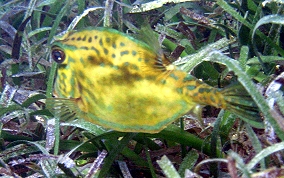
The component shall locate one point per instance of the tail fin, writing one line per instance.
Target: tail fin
(240, 103)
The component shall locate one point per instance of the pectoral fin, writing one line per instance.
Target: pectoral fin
(65, 109)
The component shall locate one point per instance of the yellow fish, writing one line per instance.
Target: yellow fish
(111, 79)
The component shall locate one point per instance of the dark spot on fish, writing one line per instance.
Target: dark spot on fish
(115, 67)
(179, 90)
(84, 47)
(126, 64)
(105, 51)
(90, 39)
(190, 87)
(114, 45)
(135, 67)
(79, 38)
(84, 39)
(98, 61)
(174, 76)
(212, 99)
(80, 73)
(63, 75)
(101, 42)
(163, 81)
(96, 37)
(139, 59)
(73, 38)
(62, 86)
(188, 78)
(202, 90)
(62, 66)
(113, 56)
(108, 40)
(96, 50)
(134, 53)
(62, 82)
(124, 53)
(122, 44)
(123, 76)
(91, 58)
(70, 60)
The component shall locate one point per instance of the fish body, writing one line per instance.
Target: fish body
(111, 79)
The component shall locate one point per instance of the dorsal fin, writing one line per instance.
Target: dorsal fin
(148, 36)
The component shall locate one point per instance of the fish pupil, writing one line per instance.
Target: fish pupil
(58, 55)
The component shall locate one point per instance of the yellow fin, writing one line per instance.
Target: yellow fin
(65, 109)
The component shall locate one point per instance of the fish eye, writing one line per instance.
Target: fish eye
(58, 55)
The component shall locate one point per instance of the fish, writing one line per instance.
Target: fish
(114, 80)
